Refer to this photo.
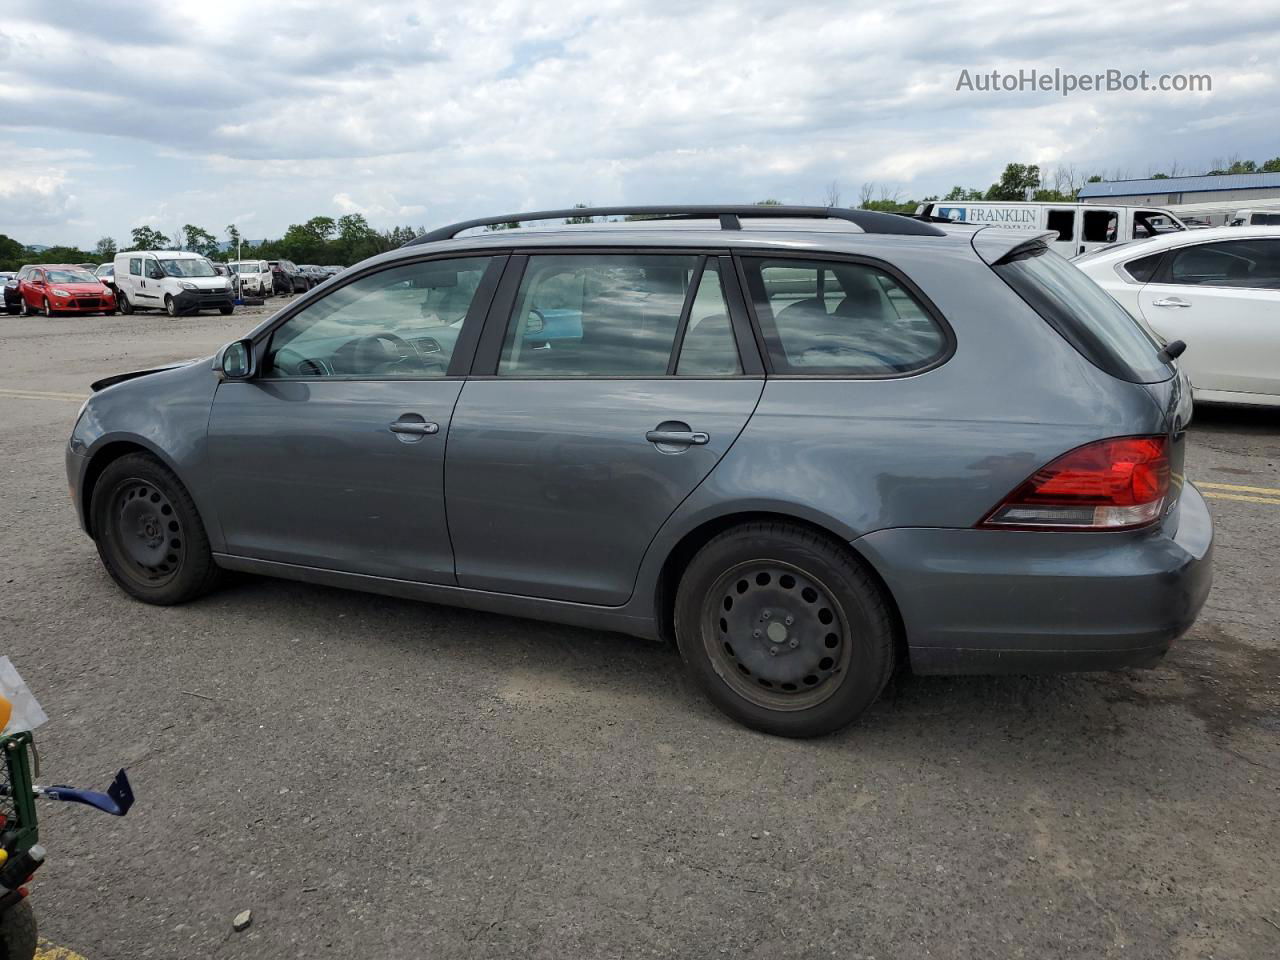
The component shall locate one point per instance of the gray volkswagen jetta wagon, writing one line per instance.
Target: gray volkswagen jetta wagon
(807, 444)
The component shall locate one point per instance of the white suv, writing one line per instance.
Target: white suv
(255, 276)
(1219, 291)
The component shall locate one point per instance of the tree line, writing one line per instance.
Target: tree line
(349, 239)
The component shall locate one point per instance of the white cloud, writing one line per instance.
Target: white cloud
(420, 113)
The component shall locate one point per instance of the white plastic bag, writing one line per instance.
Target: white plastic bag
(26, 714)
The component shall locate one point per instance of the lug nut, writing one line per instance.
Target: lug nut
(789, 621)
(793, 643)
(767, 614)
(756, 634)
(773, 651)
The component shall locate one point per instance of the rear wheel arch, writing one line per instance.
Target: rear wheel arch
(679, 557)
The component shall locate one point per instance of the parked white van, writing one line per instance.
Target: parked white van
(174, 281)
(255, 276)
(1254, 218)
(1081, 226)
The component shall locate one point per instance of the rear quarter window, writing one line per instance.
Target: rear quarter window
(837, 318)
(1084, 314)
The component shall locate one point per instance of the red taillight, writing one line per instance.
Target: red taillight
(1108, 485)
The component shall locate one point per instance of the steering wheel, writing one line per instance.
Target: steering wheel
(370, 354)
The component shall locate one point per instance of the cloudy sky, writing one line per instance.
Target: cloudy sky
(118, 114)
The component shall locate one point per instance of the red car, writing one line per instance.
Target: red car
(60, 288)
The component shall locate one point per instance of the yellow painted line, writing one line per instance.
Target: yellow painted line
(1273, 491)
(41, 395)
(1274, 501)
(48, 951)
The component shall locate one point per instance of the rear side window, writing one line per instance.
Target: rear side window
(1086, 316)
(1144, 268)
(1252, 264)
(135, 266)
(841, 319)
(603, 315)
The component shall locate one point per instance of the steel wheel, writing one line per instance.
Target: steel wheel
(776, 634)
(147, 532)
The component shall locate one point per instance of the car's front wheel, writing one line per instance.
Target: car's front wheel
(47, 308)
(149, 533)
(784, 629)
(170, 305)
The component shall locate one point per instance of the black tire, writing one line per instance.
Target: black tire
(170, 305)
(13, 309)
(149, 533)
(125, 306)
(225, 311)
(784, 629)
(18, 937)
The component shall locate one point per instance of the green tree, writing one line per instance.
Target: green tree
(234, 240)
(148, 238)
(963, 193)
(1272, 165)
(580, 219)
(105, 249)
(1014, 183)
(769, 203)
(509, 225)
(199, 240)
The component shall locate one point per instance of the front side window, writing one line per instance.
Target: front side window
(400, 322)
(1253, 264)
(597, 315)
(842, 319)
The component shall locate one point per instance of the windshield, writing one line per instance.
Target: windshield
(193, 267)
(71, 276)
(1086, 315)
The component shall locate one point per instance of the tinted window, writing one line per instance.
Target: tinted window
(135, 266)
(708, 348)
(1080, 310)
(841, 318)
(1064, 221)
(400, 322)
(1231, 263)
(596, 315)
(1144, 268)
(1100, 226)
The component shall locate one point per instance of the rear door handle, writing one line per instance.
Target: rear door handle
(1170, 302)
(678, 437)
(415, 427)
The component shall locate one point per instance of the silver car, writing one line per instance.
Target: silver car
(806, 444)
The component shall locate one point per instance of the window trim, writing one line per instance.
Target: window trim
(922, 300)
(463, 350)
(489, 352)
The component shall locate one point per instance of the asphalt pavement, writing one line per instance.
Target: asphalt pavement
(375, 778)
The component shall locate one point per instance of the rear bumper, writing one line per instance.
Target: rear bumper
(987, 601)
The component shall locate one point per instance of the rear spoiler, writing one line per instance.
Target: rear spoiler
(993, 244)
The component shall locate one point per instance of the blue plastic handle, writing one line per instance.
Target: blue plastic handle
(116, 801)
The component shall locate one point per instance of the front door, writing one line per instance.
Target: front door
(1223, 300)
(611, 391)
(333, 456)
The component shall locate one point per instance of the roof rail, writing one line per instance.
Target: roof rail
(729, 215)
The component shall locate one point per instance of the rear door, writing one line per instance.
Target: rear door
(1223, 299)
(606, 388)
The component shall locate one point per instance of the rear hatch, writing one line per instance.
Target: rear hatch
(1096, 325)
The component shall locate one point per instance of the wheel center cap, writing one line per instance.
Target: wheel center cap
(777, 632)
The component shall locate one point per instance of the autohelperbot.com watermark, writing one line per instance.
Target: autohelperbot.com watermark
(1066, 82)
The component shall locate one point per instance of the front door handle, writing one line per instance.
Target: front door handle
(415, 428)
(678, 437)
(1170, 302)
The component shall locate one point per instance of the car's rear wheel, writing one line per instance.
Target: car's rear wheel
(224, 310)
(784, 629)
(125, 306)
(149, 533)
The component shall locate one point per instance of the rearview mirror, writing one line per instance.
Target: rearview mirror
(237, 360)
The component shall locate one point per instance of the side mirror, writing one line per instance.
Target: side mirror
(236, 361)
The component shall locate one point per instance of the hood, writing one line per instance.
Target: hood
(134, 374)
(94, 287)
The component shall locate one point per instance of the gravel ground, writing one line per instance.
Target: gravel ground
(377, 778)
